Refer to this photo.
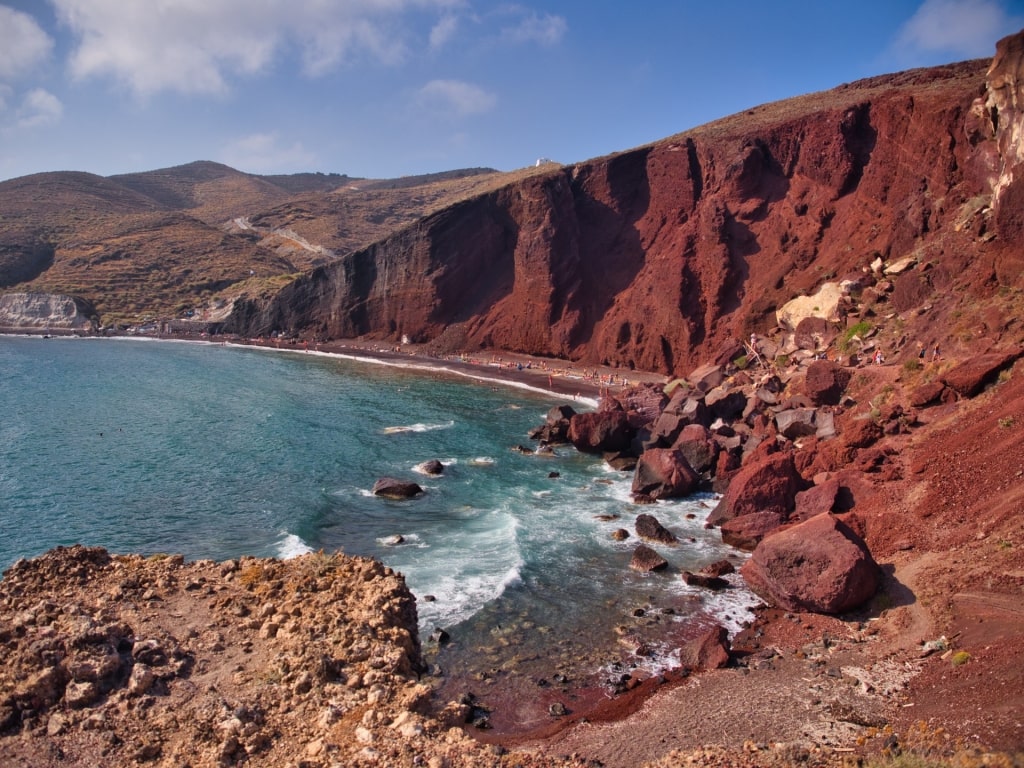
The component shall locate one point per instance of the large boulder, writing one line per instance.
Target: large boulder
(820, 566)
(972, 376)
(648, 527)
(707, 377)
(600, 431)
(708, 650)
(766, 484)
(823, 304)
(796, 423)
(391, 488)
(825, 382)
(555, 428)
(817, 500)
(697, 447)
(927, 394)
(664, 473)
(646, 559)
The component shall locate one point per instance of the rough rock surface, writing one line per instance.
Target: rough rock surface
(600, 431)
(648, 527)
(124, 660)
(971, 376)
(769, 485)
(820, 565)
(392, 488)
(646, 559)
(578, 262)
(664, 473)
(44, 311)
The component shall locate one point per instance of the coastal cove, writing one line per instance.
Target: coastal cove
(219, 451)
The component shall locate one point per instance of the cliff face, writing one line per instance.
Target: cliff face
(656, 257)
(42, 310)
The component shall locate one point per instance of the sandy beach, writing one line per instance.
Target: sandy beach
(559, 377)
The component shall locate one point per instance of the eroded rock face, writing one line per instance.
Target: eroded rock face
(820, 566)
(574, 263)
(44, 310)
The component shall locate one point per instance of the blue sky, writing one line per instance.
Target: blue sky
(385, 88)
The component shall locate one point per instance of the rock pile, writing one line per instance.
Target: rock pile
(124, 660)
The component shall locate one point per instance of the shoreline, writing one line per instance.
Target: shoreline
(562, 380)
(549, 376)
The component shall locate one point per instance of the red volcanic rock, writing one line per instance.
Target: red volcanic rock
(860, 432)
(971, 376)
(697, 447)
(709, 650)
(600, 431)
(927, 394)
(648, 527)
(825, 382)
(766, 485)
(820, 566)
(646, 559)
(817, 500)
(664, 473)
(746, 531)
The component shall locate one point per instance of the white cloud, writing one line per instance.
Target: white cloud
(534, 28)
(456, 97)
(261, 153)
(23, 43)
(961, 28)
(39, 108)
(443, 31)
(5, 94)
(196, 46)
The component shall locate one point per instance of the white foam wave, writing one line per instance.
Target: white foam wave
(481, 461)
(290, 545)
(418, 428)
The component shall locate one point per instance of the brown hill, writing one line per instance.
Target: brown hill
(154, 244)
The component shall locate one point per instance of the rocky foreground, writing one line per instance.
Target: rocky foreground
(124, 660)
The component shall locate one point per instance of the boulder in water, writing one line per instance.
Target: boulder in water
(391, 488)
(646, 559)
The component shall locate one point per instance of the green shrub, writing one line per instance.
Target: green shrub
(860, 329)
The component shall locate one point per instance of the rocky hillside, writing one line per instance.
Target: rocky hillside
(651, 258)
(656, 257)
(159, 243)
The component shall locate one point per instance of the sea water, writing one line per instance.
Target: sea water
(219, 451)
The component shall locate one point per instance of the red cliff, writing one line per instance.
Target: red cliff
(656, 257)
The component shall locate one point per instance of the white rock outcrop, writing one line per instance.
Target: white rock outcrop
(43, 310)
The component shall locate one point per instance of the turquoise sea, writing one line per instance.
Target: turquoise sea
(219, 451)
